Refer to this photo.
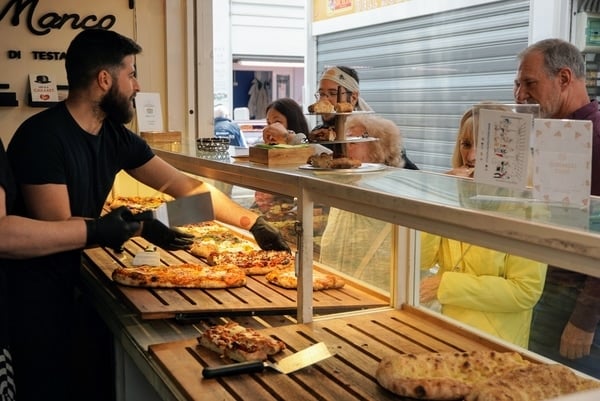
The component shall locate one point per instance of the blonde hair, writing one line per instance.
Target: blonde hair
(465, 128)
(388, 149)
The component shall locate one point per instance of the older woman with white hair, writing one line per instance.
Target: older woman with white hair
(357, 245)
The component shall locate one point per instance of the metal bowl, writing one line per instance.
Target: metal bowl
(212, 145)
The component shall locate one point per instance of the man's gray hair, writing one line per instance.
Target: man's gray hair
(558, 54)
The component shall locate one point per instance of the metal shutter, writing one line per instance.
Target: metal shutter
(424, 72)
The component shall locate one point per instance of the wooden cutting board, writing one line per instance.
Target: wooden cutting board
(359, 343)
(257, 297)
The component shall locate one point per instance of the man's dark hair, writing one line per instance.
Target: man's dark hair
(93, 50)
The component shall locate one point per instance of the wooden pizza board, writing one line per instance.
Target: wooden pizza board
(359, 342)
(257, 297)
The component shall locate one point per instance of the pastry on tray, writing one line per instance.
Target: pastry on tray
(325, 160)
(343, 107)
(322, 134)
(322, 106)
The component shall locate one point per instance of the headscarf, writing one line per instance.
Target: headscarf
(341, 78)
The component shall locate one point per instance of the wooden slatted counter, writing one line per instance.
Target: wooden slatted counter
(358, 341)
(257, 297)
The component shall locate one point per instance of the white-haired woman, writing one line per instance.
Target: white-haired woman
(351, 243)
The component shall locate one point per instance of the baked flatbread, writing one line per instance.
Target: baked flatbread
(212, 237)
(187, 275)
(443, 375)
(254, 262)
(239, 343)
(531, 383)
(136, 204)
(286, 278)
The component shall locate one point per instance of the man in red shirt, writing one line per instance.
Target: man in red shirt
(565, 324)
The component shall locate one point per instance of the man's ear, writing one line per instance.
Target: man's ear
(104, 80)
(565, 75)
(353, 98)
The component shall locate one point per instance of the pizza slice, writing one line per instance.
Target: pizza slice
(206, 228)
(239, 343)
(254, 261)
(187, 275)
(205, 247)
(136, 204)
(286, 278)
(211, 237)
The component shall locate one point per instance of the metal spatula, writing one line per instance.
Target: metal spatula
(289, 364)
(185, 210)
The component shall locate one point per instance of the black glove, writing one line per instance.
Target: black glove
(112, 229)
(167, 238)
(268, 237)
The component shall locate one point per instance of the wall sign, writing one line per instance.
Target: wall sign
(43, 24)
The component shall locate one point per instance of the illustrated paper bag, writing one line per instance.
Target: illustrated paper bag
(503, 148)
(562, 161)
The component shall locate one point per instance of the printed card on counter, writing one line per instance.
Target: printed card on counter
(149, 112)
(503, 148)
(42, 88)
(562, 161)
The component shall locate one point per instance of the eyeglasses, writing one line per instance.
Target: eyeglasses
(332, 94)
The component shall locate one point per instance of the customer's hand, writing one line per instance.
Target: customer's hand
(574, 342)
(112, 229)
(429, 288)
(275, 133)
(267, 236)
(167, 238)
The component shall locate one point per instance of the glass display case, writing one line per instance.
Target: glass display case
(501, 219)
(400, 205)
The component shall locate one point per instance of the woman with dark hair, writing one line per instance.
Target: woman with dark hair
(285, 122)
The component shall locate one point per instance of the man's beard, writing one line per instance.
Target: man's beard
(116, 107)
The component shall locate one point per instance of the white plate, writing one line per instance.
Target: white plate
(364, 168)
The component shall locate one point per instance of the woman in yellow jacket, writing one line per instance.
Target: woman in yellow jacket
(486, 289)
(489, 290)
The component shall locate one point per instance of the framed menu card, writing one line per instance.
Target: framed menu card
(503, 148)
(562, 160)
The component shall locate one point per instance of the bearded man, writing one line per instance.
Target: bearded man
(65, 160)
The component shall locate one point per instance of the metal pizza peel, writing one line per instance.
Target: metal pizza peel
(301, 359)
(185, 210)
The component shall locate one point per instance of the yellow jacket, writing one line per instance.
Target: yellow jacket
(490, 290)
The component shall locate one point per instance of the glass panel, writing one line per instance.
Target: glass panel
(489, 290)
(358, 246)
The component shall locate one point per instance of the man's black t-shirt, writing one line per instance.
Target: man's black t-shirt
(6, 387)
(6, 180)
(51, 148)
